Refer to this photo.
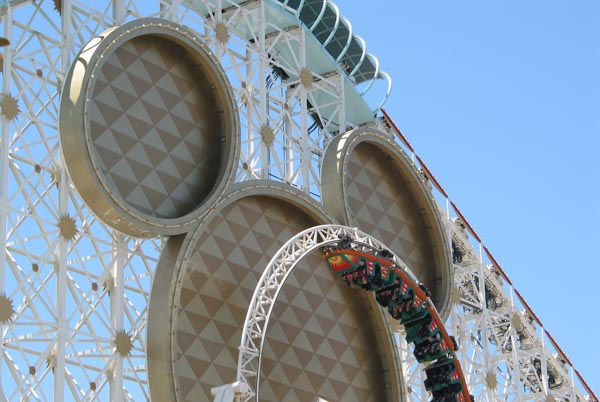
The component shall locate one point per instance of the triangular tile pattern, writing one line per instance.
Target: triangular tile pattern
(156, 143)
(320, 343)
(380, 205)
(315, 344)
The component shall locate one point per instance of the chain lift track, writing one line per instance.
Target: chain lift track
(74, 293)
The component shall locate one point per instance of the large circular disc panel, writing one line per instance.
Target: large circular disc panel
(324, 339)
(148, 127)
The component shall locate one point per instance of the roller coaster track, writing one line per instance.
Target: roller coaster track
(70, 284)
(273, 279)
(496, 318)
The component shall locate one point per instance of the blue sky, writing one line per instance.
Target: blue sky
(501, 100)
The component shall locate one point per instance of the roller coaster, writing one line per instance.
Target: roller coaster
(168, 297)
(406, 300)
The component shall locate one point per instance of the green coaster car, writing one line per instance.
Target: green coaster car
(443, 380)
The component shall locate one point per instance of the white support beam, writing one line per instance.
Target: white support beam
(42, 40)
(61, 266)
(4, 172)
(117, 307)
(119, 11)
(229, 392)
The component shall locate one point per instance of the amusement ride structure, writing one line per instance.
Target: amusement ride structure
(205, 200)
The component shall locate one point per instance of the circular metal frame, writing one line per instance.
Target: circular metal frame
(67, 298)
(180, 97)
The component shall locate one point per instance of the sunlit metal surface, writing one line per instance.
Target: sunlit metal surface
(74, 292)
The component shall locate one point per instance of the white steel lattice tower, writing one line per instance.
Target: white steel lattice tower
(75, 292)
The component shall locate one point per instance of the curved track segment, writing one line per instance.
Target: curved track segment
(70, 286)
(407, 300)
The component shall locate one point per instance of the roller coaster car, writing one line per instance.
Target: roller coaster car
(409, 308)
(441, 374)
(398, 293)
(360, 269)
(408, 302)
(446, 396)
(443, 380)
(422, 328)
(430, 350)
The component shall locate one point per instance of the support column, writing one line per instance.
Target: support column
(253, 165)
(341, 103)
(62, 325)
(4, 172)
(119, 11)
(4, 148)
(264, 128)
(304, 89)
(167, 11)
(117, 306)
(288, 135)
(485, 319)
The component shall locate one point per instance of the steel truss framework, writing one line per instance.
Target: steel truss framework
(504, 349)
(74, 293)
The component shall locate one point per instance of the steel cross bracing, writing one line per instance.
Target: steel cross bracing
(505, 352)
(70, 286)
(509, 354)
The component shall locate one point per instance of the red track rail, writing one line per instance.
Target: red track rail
(353, 255)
